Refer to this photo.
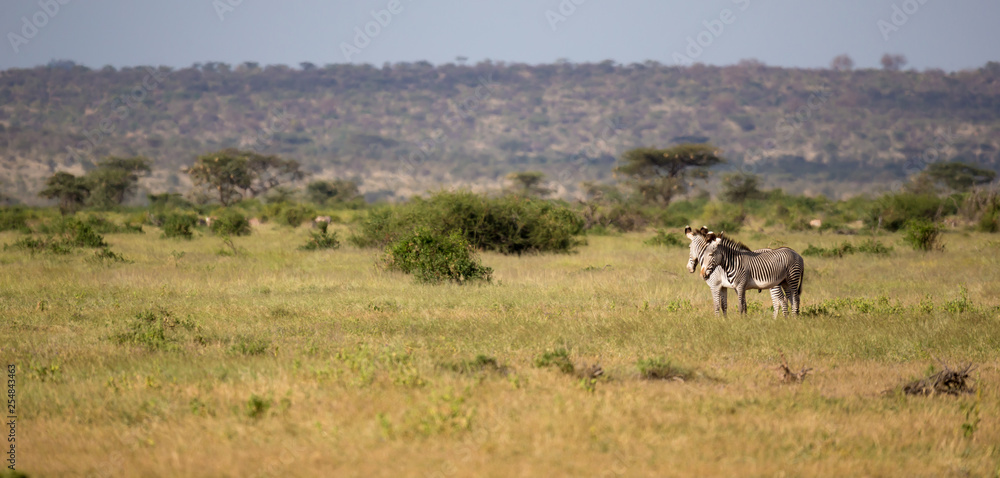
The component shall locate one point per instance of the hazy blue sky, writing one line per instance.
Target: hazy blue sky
(952, 35)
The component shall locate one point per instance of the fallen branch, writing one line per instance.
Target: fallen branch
(787, 375)
(947, 381)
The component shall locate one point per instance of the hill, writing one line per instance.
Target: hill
(404, 128)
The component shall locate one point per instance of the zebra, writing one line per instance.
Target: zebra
(717, 280)
(745, 269)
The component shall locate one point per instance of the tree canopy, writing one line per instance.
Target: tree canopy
(660, 174)
(958, 176)
(740, 187)
(115, 179)
(233, 174)
(529, 183)
(70, 190)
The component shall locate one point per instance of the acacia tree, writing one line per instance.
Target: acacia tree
(660, 174)
(115, 179)
(958, 176)
(233, 174)
(842, 63)
(337, 191)
(737, 188)
(529, 183)
(70, 190)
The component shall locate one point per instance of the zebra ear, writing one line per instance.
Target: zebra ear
(711, 236)
(704, 230)
(688, 232)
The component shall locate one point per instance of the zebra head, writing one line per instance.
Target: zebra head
(711, 255)
(698, 243)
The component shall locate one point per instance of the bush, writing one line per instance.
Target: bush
(321, 239)
(725, 217)
(662, 369)
(923, 235)
(82, 235)
(179, 225)
(245, 345)
(870, 246)
(556, 358)
(105, 256)
(896, 210)
(231, 222)
(14, 219)
(290, 214)
(663, 238)
(508, 224)
(482, 363)
(433, 257)
(153, 330)
(990, 220)
(34, 245)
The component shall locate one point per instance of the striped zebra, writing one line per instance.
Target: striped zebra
(717, 279)
(745, 269)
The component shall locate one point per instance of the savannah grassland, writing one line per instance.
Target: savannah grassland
(281, 362)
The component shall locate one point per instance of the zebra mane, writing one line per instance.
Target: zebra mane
(734, 244)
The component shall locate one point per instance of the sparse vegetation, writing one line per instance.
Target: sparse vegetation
(182, 340)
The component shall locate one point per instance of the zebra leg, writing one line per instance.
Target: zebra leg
(717, 300)
(793, 293)
(723, 296)
(741, 293)
(778, 301)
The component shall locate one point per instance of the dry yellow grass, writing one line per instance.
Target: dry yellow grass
(352, 377)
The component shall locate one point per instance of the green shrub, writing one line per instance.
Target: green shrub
(179, 225)
(662, 369)
(663, 238)
(256, 407)
(558, 358)
(83, 235)
(295, 215)
(896, 210)
(482, 363)
(724, 217)
(990, 220)
(923, 235)
(433, 257)
(289, 213)
(508, 224)
(321, 239)
(14, 219)
(231, 222)
(34, 245)
(105, 256)
(869, 246)
(249, 346)
(104, 226)
(154, 329)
